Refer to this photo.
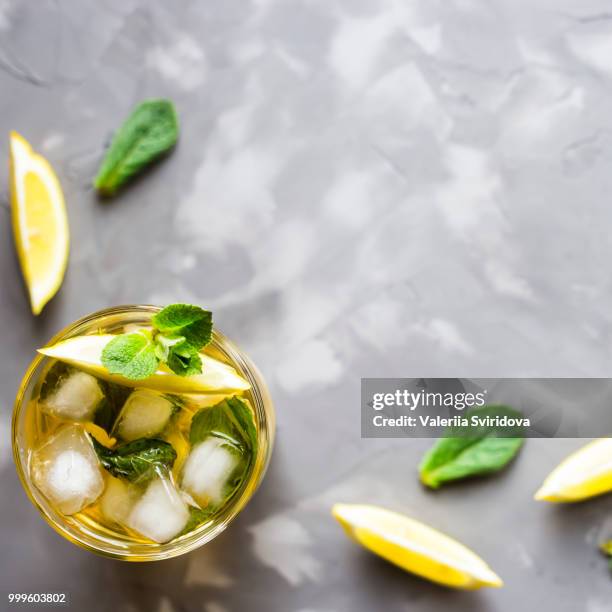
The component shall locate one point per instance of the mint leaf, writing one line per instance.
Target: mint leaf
(56, 374)
(150, 131)
(182, 358)
(184, 361)
(471, 451)
(231, 418)
(243, 414)
(131, 355)
(232, 422)
(163, 344)
(187, 321)
(110, 407)
(197, 516)
(136, 461)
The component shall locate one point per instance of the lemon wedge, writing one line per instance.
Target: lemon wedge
(584, 474)
(415, 547)
(40, 223)
(84, 352)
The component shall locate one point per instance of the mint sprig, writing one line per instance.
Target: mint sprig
(131, 355)
(179, 332)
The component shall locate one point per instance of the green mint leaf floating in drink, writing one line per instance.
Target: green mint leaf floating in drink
(223, 442)
(136, 461)
(53, 379)
(197, 516)
(131, 355)
(243, 414)
(110, 407)
(149, 132)
(192, 323)
(231, 419)
(467, 451)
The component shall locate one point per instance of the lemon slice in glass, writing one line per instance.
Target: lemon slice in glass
(415, 547)
(85, 353)
(40, 223)
(584, 474)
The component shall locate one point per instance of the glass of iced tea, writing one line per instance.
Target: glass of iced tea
(140, 469)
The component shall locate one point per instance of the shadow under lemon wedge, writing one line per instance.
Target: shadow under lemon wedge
(415, 547)
(584, 474)
(85, 352)
(40, 223)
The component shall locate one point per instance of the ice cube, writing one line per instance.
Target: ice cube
(207, 469)
(66, 470)
(76, 397)
(160, 514)
(118, 499)
(144, 414)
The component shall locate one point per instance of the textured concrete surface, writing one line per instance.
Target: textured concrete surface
(362, 188)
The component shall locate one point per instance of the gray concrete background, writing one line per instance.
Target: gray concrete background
(362, 188)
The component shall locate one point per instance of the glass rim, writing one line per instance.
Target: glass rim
(262, 403)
